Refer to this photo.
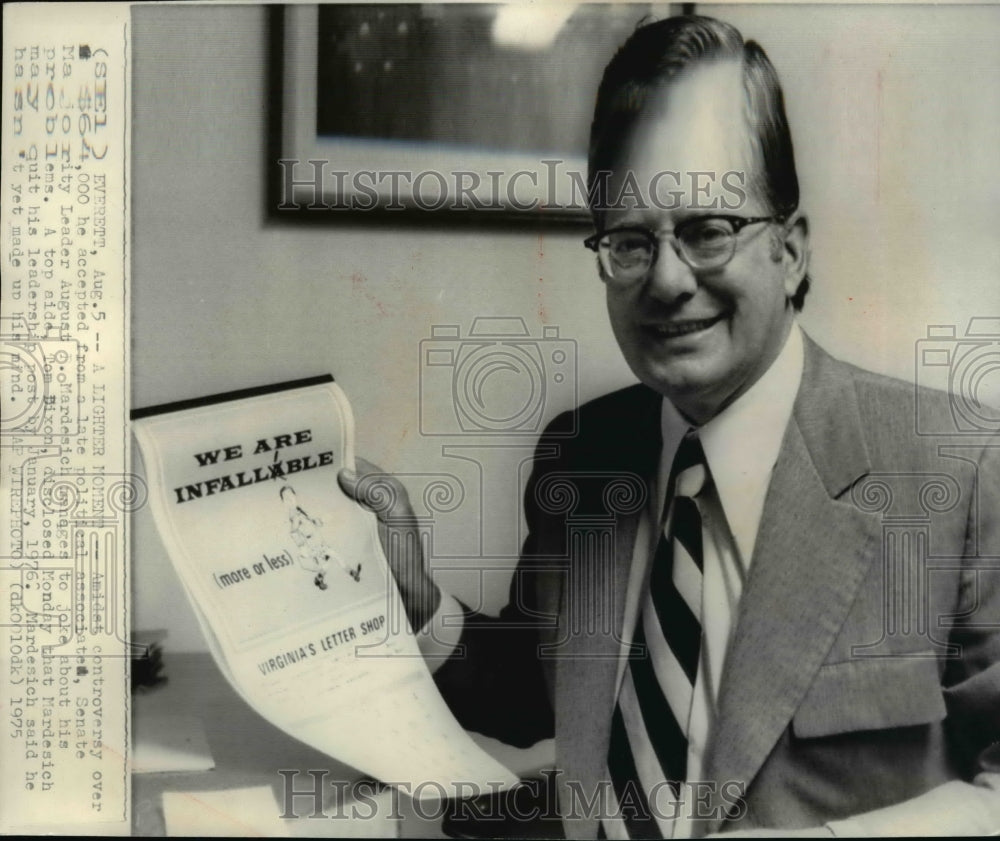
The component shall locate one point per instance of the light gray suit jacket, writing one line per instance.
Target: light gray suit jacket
(865, 666)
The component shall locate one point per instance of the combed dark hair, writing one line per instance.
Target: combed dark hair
(652, 56)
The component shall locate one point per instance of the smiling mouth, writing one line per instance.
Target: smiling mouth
(681, 328)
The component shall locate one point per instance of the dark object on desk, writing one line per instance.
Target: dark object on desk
(525, 811)
(147, 660)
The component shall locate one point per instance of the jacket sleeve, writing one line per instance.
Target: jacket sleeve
(970, 806)
(495, 682)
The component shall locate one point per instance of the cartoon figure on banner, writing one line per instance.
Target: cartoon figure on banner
(314, 553)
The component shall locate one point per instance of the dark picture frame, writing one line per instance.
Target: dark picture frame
(439, 113)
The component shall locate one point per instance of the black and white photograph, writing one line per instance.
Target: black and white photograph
(533, 420)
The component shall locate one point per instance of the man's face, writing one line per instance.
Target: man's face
(701, 338)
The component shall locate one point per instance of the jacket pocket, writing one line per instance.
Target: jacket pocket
(871, 694)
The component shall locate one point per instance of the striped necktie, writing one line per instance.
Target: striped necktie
(647, 755)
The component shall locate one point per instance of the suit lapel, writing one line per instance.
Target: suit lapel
(810, 556)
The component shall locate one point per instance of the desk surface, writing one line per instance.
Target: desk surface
(248, 751)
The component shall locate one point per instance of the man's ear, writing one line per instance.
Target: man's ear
(795, 252)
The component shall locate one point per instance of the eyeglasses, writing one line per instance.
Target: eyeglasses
(704, 242)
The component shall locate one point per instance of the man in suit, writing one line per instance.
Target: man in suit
(751, 597)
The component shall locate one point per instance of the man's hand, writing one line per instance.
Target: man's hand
(383, 494)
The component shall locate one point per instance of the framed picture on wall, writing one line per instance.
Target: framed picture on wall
(448, 112)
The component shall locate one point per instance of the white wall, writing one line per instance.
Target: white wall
(897, 142)
(895, 114)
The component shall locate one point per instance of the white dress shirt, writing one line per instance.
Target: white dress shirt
(741, 446)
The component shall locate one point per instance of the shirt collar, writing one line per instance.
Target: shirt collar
(742, 442)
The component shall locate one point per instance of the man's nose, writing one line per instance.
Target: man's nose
(671, 278)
